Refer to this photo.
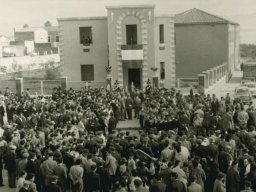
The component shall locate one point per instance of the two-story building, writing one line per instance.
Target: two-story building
(204, 41)
(137, 45)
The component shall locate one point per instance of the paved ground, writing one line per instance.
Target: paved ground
(6, 188)
(222, 88)
(128, 124)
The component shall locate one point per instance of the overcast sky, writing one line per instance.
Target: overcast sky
(16, 13)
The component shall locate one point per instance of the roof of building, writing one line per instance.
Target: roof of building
(81, 18)
(165, 15)
(197, 16)
(3, 36)
(17, 42)
(130, 6)
(32, 29)
(52, 28)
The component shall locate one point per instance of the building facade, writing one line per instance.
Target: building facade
(41, 40)
(4, 41)
(204, 41)
(135, 43)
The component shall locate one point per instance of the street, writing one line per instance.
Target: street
(221, 89)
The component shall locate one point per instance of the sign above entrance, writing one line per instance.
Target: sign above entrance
(132, 52)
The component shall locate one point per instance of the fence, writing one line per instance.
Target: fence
(185, 84)
(41, 87)
(45, 87)
(208, 79)
(11, 84)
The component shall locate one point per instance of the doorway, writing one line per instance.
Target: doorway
(134, 75)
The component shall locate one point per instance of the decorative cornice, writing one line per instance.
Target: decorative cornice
(131, 6)
(81, 18)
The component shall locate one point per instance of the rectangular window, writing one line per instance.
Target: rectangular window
(49, 39)
(57, 38)
(87, 72)
(162, 70)
(131, 34)
(85, 35)
(161, 33)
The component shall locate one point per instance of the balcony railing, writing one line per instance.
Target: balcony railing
(131, 47)
(132, 52)
(54, 44)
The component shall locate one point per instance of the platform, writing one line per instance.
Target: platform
(128, 125)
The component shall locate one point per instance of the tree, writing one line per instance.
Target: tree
(47, 24)
(3, 69)
(26, 26)
(51, 72)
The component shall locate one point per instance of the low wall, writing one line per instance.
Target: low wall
(209, 78)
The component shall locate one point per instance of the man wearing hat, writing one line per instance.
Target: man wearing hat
(52, 186)
(92, 180)
(11, 165)
(111, 164)
(3, 147)
(47, 167)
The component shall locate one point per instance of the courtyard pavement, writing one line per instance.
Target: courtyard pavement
(223, 87)
(128, 124)
(6, 188)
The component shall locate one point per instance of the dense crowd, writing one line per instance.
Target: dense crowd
(69, 142)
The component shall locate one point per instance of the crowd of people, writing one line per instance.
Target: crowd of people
(69, 142)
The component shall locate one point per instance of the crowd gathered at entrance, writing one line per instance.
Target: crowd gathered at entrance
(69, 142)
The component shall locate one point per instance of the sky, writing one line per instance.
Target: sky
(16, 13)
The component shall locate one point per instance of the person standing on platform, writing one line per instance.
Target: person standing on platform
(129, 106)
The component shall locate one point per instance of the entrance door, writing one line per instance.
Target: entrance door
(134, 75)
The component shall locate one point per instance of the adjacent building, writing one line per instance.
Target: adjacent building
(135, 43)
(40, 40)
(4, 41)
(203, 41)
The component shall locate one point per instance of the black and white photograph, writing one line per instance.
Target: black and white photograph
(128, 96)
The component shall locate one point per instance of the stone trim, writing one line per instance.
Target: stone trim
(144, 36)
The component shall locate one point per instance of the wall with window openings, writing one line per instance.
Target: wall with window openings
(83, 43)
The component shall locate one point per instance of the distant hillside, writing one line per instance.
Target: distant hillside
(248, 50)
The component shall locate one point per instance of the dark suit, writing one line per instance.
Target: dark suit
(92, 181)
(232, 180)
(2, 151)
(112, 124)
(11, 167)
(157, 186)
(215, 106)
(52, 188)
(104, 179)
(176, 186)
(129, 106)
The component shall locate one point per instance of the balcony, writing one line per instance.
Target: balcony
(54, 44)
(132, 52)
